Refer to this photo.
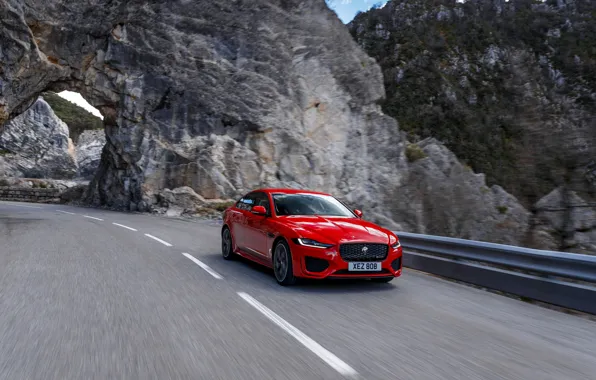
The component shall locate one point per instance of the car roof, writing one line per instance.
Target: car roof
(289, 191)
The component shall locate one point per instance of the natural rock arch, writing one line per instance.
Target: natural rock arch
(216, 96)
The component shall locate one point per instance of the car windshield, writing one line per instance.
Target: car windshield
(309, 204)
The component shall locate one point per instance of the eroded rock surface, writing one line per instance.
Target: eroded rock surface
(569, 221)
(440, 196)
(88, 152)
(36, 144)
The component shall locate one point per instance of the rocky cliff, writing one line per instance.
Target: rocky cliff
(36, 144)
(223, 97)
(509, 86)
(88, 152)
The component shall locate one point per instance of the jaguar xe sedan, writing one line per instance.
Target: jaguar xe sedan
(307, 234)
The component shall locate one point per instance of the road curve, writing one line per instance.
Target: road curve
(93, 294)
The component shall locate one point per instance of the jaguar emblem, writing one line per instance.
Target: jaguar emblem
(364, 249)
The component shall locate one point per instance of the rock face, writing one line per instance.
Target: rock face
(509, 86)
(36, 145)
(569, 221)
(223, 97)
(88, 151)
(440, 196)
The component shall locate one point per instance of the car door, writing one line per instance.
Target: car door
(240, 220)
(257, 226)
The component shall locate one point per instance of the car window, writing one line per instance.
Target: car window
(261, 199)
(254, 199)
(246, 202)
(309, 204)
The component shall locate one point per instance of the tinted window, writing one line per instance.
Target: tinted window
(309, 204)
(246, 202)
(261, 199)
(254, 199)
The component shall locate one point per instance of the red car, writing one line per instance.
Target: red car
(308, 234)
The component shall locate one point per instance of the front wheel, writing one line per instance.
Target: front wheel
(226, 244)
(282, 264)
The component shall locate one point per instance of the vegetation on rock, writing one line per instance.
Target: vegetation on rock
(77, 118)
(510, 87)
(414, 153)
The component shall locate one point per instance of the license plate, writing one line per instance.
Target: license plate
(364, 267)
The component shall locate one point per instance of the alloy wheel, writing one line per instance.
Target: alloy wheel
(280, 264)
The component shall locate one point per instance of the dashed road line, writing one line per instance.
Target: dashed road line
(66, 212)
(332, 360)
(123, 226)
(92, 217)
(159, 240)
(206, 267)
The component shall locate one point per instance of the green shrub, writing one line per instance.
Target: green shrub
(502, 209)
(77, 118)
(414, 153)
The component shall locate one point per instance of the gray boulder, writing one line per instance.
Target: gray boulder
(569, 220)
(73, 194)
(36, 144)
(573, 213)
(180, 201)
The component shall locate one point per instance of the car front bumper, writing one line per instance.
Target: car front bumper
(319, 263)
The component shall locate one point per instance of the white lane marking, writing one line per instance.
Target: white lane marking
(123, 226)
(92, 217)
(335, 362)
(66, 212)
(159, 240)
(206, 267)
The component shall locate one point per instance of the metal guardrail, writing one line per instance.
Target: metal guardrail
(560, 278)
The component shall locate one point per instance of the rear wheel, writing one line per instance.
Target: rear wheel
(282, 264)
(226, 244)
(382, 280)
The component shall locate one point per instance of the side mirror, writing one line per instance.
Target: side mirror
(358, 213)
(259, 210)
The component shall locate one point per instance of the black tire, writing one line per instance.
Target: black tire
(282, 264)
(226, 244)
(382, 280)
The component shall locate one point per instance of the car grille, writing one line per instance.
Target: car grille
(363, 251)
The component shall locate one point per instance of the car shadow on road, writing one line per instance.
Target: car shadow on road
(245, 267)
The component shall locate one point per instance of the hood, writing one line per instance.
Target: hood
(337, 229)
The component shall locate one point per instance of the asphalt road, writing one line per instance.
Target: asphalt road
(84, 298)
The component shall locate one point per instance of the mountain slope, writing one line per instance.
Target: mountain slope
(77, 118)
(510, 87)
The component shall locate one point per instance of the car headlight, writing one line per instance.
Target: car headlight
(396, 245)
(312, 243)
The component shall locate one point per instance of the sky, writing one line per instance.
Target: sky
(77, 99)
(345, 9)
